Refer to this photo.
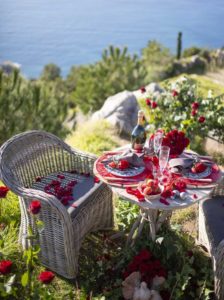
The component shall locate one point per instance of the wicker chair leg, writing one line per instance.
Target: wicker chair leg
(219, 271)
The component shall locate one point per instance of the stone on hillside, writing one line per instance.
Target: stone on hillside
(121, 111)
(153, 88)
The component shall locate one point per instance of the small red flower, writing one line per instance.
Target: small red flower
(5, 267)
(148, 101)
(195, 196)
(175, 93)
(199, 168)
(35, 207)
(3, 191)
(46, 277)
(195, 105)
(60, 176)
(142, 89)
(201, 119)
(194, 112)
(154, 104)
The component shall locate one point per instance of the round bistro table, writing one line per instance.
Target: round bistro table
(155, 212)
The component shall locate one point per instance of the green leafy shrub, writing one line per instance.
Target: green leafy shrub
(158, 61)
(191, 51)
(181, 107)
(50, 72)
(115, 72)
(27, 105)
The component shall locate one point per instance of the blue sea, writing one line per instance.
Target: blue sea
(73, 32)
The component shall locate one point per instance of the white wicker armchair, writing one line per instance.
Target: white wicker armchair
(211, 234)
(30, 155)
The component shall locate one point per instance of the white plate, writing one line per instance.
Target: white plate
(125, 173)
(201, 175)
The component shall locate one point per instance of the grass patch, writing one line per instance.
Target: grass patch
(94, 137)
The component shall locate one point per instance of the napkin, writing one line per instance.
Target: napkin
(181, 164)
(134, 159)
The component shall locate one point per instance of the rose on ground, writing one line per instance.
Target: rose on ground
(35, 207)
(5, 266)
(3, 191)
(46, 277)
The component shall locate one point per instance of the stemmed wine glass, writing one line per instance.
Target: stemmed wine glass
(158, 138)
(163, 157)
(163, 160)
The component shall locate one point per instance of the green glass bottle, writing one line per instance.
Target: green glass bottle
(138, 135)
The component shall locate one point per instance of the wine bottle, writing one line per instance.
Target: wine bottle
(138, 135)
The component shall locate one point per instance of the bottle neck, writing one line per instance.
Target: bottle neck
(140, 120)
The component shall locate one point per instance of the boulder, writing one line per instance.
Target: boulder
(121, 110)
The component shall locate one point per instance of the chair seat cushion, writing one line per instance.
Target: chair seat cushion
(73, 190)
(213, 209)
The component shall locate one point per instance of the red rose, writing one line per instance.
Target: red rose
(96, 179)
(166, 193)
(180, 186)
(144, 254)
(195, 105)
(3, 191)
(142, 89)
(201, 119)
(148, 101)
(154, 104)
(5, 267)
(46, 277)
(199, 168)
(175, 93)
(194, 112)
(35, 207)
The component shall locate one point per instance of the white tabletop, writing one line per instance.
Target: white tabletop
(173, 204)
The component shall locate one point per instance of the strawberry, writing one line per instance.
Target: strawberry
(123, 164)
(113, 165)
(198, 168)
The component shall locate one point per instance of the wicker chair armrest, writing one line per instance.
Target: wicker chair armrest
(51, 200)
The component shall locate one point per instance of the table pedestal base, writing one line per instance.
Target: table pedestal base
(154, 217)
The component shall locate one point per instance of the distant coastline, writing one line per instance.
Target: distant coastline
(75, 33)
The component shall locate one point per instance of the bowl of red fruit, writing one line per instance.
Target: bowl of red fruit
(150, 189)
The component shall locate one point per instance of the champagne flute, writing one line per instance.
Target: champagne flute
(163, 157)
(158, 138)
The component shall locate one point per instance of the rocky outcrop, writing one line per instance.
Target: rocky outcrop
(121, 111)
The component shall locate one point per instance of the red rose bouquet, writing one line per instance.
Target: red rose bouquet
(176, 140)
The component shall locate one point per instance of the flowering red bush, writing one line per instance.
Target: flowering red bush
(5, 267)
(35, 207)
(176, 140)
(46, 277)
(147, 265)
(3, 191)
